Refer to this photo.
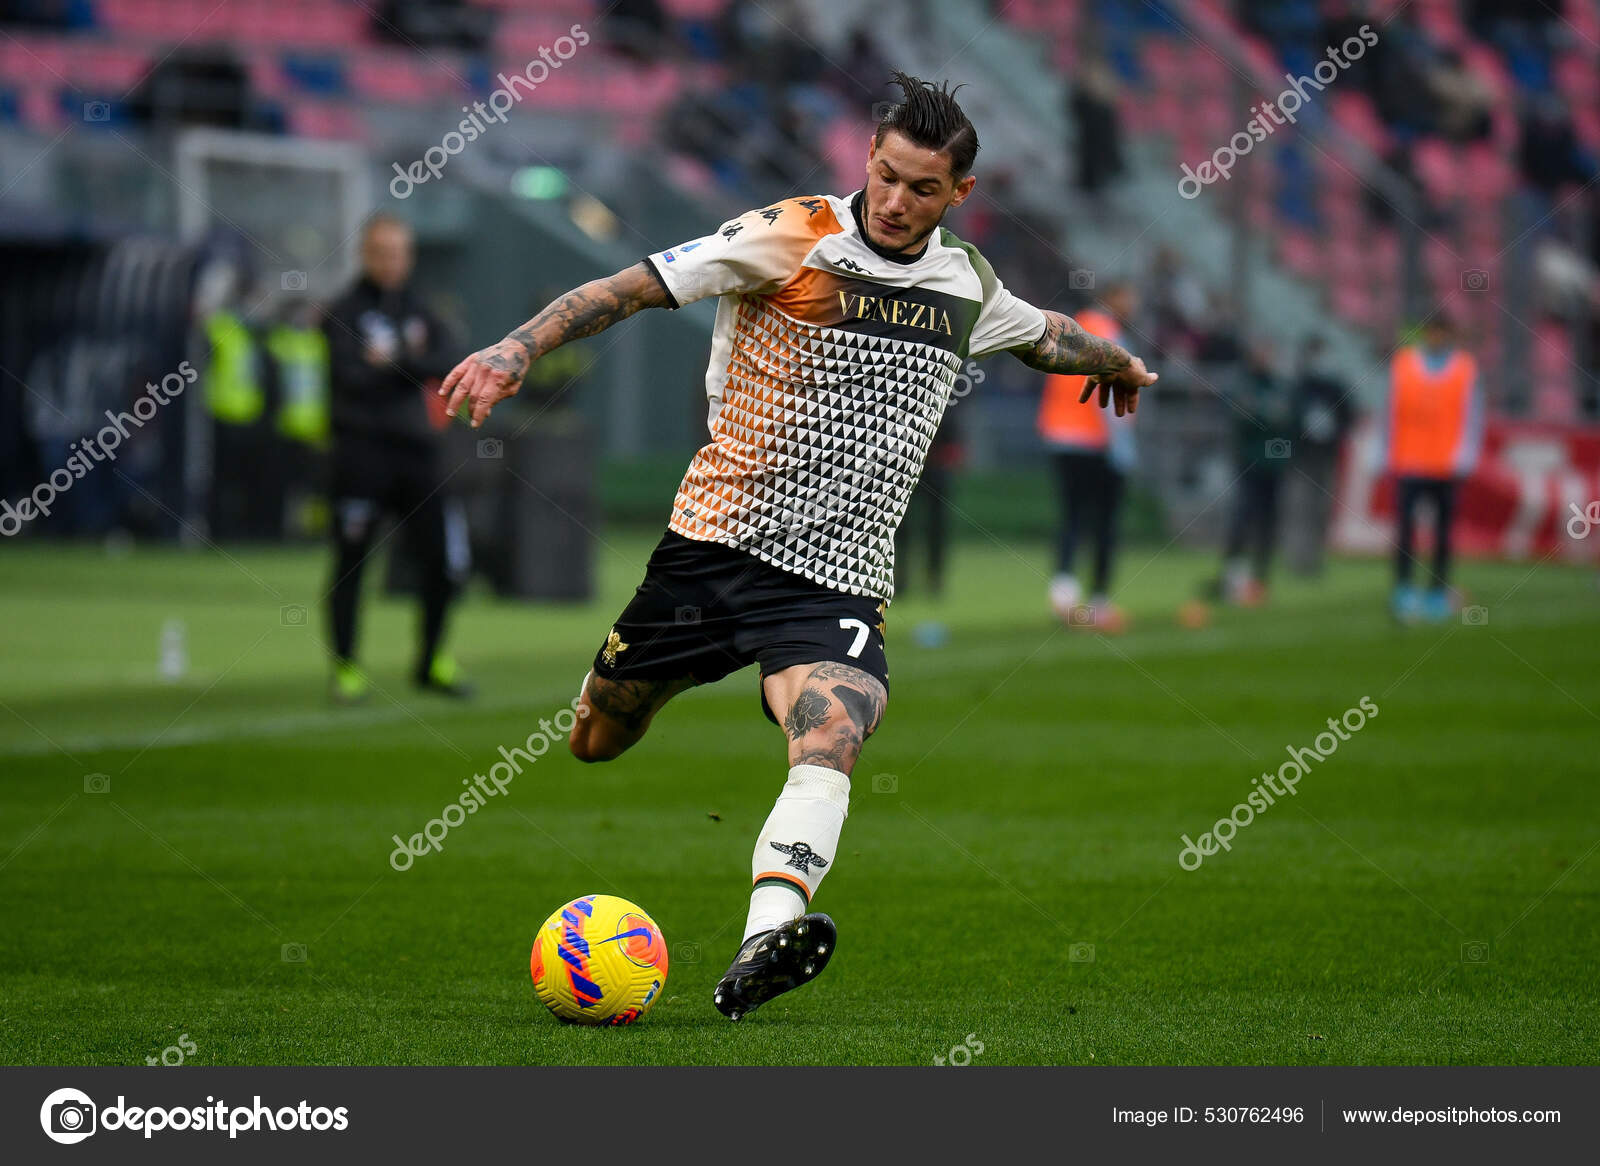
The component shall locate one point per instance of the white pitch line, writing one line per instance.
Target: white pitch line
(933, 662)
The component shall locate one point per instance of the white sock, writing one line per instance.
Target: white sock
(797, 845)
(1065, 592)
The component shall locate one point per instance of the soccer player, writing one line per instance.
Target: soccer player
(842, 324)
(1433, 433)
(1092, 455)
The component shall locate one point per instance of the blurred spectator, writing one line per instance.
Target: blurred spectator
(1322, 413)
(1462, 100)
(243, 503)
(636, 29)
(1177, 305)
(297, 354)
(768, 42)
(1093, 106)
(1433, 432)
(925, 531)
(451, 24)
(1264, 442)
(199, 86)
(1549, 154)
(1091, 452)
(862, 80)
(45, 13)
(1219, 336)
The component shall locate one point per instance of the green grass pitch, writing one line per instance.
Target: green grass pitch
(1428, 896)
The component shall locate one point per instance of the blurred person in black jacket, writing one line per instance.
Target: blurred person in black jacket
(383, 344)
(1264, 429)
(1322, 413)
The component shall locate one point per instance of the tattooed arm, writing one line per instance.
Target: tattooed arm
(489, 376)
(1065, 347)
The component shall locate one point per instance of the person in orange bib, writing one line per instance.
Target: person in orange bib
(1433, 432)
(1091, 452)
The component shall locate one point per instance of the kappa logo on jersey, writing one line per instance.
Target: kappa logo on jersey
(801, 856)
(850, 265)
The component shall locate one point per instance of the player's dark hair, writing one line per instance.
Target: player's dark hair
(930, 117)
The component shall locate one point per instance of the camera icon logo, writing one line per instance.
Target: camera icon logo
(881, 110)
(1080, 953)
(96, 783)
(292, 615)
(1475, 616)
(294, 953)
(686, 952)
(1476, 952)
(1080, 279)
(96, 111)
(491, 448)
(294, 281)
(1081, 615)
(68, 1116)
(684, 616)
(1279, 448)
(1474, 279)
(885, 783)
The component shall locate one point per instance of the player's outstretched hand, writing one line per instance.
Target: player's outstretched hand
(1123, 385)
(486, 378)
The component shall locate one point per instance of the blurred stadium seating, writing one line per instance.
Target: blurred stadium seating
(1454, 165)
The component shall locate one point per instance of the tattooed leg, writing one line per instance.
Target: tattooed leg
(827, 711)
(620, 712)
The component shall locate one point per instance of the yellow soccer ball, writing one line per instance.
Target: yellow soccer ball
(599, 960)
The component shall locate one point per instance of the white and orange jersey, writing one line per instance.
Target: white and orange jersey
(831, 366)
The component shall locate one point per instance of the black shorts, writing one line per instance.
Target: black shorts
(705, 610)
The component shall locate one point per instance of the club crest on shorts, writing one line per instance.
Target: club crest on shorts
(801, 856)
(614, 645)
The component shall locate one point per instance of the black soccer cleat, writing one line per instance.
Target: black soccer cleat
(775, 962)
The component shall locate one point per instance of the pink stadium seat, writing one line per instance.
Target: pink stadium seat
(316, 119)
(1259, 57)
(388, 75)
(1586, 122)
(1356, 114)
(1300, 252)
(1438, 168)
(1382, 245)
(1577, 77)
(40, 109)
(37, 60)
(1355, 303)
(694, 9)
(266, 74)
(1486, 175)
(1163, 60)
(111, 69)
